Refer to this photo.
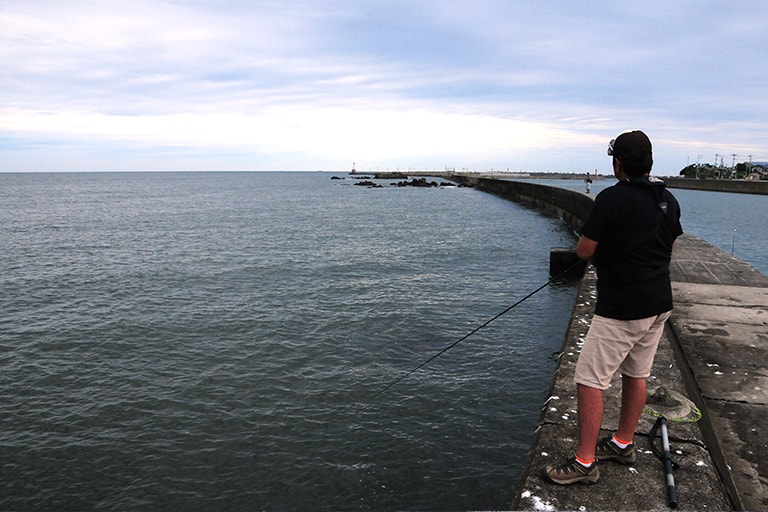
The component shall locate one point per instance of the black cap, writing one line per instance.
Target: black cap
(635, 152)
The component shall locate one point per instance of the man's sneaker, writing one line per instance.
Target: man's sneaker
(571, 472)
(607, 450)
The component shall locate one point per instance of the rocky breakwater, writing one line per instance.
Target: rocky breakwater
(415, 182)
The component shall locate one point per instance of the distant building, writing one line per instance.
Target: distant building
(758, 171)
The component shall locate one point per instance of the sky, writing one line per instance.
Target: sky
(384, 84)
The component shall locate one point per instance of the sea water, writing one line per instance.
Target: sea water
(224, 341)
(199, 341)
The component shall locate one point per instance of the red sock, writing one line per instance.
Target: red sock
(620, 443)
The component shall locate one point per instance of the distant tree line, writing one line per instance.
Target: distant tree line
(709, 171)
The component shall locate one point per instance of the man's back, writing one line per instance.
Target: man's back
(635, 223)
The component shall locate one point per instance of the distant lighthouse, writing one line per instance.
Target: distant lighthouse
(353, 168)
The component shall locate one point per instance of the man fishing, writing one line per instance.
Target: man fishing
(628, 236)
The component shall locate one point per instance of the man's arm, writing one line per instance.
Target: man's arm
(586, 248)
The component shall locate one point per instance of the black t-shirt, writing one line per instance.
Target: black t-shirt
(635, 223)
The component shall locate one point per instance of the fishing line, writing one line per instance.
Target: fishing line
(476, 329)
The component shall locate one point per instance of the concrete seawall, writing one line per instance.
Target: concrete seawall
(484, 181)
(570, 205)
(714, 351)
(736, 186)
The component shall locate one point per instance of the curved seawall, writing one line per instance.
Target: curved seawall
(714, 351)
(570, 205)
(736, 186)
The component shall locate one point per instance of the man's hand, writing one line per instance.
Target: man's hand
(586, 248)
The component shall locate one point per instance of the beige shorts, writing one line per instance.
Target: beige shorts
(612, 345)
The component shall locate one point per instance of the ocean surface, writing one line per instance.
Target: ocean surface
(224, 341)
(227, 341)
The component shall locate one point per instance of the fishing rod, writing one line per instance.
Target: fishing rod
(476, 329)
(666, 458)
(657, 403)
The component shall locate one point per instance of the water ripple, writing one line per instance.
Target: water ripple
(220, 341)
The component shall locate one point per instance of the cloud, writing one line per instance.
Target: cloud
(310, 84)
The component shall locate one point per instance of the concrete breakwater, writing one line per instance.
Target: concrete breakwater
(714, 351)
(571, 206)
(484, 181)
(736, 186)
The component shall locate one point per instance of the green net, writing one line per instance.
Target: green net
(671, 405)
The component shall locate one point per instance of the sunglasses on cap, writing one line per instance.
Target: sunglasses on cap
(610, 148)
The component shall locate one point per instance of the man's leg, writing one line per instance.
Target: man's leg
(633, 396)
(590, 420)
(639, 361)
(582, 467)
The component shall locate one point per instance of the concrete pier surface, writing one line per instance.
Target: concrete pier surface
(715, 352)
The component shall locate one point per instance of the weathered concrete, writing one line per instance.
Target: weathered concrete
(721, 325)
(736, 186)
(564, 264)
(641, 487)
(696, 261)
(713, 351)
